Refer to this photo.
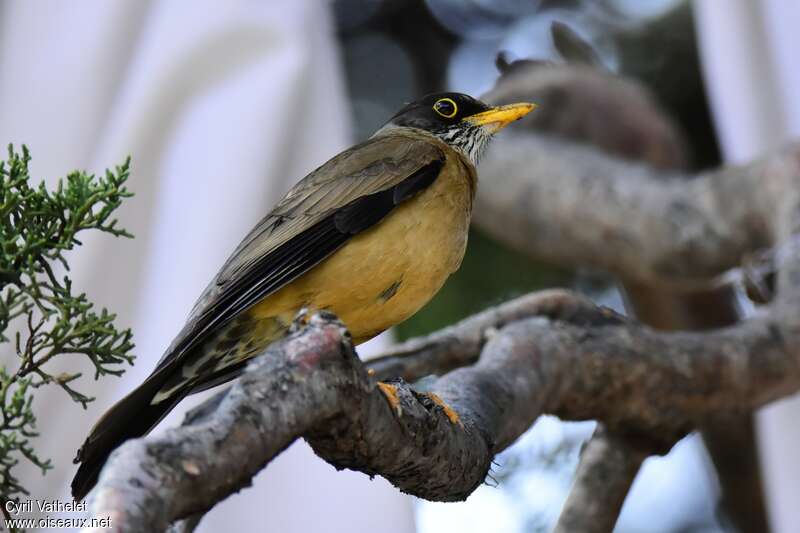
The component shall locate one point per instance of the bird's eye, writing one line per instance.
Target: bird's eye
(445, 107)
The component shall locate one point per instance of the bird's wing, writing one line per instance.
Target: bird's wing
(347, 195)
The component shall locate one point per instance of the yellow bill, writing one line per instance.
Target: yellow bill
(499, 117)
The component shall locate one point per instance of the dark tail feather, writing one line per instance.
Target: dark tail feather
(131, 417)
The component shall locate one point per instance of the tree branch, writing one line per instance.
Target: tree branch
(570, 204)
(602, 367)
(608, 466)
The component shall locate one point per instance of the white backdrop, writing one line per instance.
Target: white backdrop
(222, 105)
(752, 74)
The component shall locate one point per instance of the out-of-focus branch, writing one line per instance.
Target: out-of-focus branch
(730, 439)
(568, 184)
(572, 205)
(609, 463)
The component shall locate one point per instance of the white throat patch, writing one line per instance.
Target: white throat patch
(470, 141)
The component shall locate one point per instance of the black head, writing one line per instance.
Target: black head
(458, 119)
(439, 111)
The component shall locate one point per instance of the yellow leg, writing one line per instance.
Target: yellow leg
(390, 391)
(451, 414)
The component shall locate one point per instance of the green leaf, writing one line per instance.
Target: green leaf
(37, 227)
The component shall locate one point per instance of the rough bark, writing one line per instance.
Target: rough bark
(638, 382)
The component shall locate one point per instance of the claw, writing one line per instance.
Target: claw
(451, 414)
(301, 319)
(390, 391)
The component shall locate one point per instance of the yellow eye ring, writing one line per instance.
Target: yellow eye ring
(446, 103)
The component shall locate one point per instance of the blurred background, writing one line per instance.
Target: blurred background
(223, 106)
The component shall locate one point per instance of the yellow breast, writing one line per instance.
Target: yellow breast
(384, 275)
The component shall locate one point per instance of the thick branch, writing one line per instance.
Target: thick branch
(602, 367)
(313, 384)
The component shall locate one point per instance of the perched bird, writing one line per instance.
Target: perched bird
(371, 236)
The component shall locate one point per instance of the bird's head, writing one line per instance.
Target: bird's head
(464, 123)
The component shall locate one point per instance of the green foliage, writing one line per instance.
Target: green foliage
(37, 227)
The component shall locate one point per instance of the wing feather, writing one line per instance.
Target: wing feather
(340, 199)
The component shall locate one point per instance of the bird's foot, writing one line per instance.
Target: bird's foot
(307, 316)
(390, 391)
(428, 399)
(448, 411)
(301, 319)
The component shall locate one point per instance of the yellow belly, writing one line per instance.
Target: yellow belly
(386, 274)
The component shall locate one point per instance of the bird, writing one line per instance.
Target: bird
(370, 236)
